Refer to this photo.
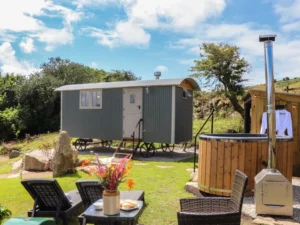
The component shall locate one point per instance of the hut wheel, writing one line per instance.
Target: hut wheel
(147, 150)
(167, 147)
(80, 144)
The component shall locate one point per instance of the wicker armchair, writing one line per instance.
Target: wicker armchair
(90, 191)
(215, 210)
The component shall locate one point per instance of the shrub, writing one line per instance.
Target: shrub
(4, 212)
(6, 148)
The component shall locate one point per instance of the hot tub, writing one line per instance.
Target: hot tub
(221, 154)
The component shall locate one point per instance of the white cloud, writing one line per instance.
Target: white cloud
(161, 68)
(18, 15)
(25, 16)
(288, 10)
(94, 65)
(54, 37)
(83, 3)
(142, 15)
(10, 64)
(173, 14)
(124, 34)
(27, 45)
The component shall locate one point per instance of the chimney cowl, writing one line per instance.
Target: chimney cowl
(157, 74)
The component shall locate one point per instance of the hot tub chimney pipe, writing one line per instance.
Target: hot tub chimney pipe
(269, 71)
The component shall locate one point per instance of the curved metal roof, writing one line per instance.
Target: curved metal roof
(128, 84)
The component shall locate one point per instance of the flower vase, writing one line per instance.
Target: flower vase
(111, 202)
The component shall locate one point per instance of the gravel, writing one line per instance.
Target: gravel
(249, 206)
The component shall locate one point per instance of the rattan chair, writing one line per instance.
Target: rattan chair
(215, 210)
(90, 191)
(51, 201)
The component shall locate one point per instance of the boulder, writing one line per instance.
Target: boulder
(17, 165)
(192, 187)
(63, 158)
(14, 154)
(75, 154)
(36, 161)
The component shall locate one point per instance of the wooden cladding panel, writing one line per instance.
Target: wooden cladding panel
(292, 104)
(218, 161)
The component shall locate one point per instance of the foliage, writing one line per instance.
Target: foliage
(222, 66)
(9, 108)
(111, 176)
(4, 212)
(39, 111)
(120, 75)
(67, 72)
(9, 123)
(6, 148)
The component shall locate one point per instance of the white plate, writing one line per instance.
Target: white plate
(127, 210)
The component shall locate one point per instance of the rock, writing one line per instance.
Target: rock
(14, 154)
(75, 154)
(17, 165)
(192, 187)
(63, 159)
(36, 161)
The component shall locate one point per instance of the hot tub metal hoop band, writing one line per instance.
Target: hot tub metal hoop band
(213, 189)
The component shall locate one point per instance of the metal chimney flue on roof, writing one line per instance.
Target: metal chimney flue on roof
(157, 74)
(273, 192)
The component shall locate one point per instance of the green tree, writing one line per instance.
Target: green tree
(9, 107)
(222, 65)
(39, 104)
(67, 72)
(120, 75)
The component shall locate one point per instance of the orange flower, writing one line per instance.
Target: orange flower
(129, 164)
(89, 174)
(124, 172)
(129, 184)
(87, 162)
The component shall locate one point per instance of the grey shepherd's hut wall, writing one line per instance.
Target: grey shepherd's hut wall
(183, 117)
(105, 123)
(157, 111)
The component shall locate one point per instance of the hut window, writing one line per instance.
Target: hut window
(91, 99)
(185, 94)
(132, 98)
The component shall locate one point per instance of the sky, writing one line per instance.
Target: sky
(144, 36)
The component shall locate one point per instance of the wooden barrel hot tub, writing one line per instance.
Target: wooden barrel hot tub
(221, 154)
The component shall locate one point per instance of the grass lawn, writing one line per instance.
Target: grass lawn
(163, 187)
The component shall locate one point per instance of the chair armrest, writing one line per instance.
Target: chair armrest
(186, 218)
(205, 205)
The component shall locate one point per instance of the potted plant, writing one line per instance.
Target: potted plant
(110, 176)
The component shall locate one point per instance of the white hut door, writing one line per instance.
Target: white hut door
(132, 111)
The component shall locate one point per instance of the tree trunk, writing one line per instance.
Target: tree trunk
(237, 107)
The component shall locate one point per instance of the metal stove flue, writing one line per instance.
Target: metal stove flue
(273, 192)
